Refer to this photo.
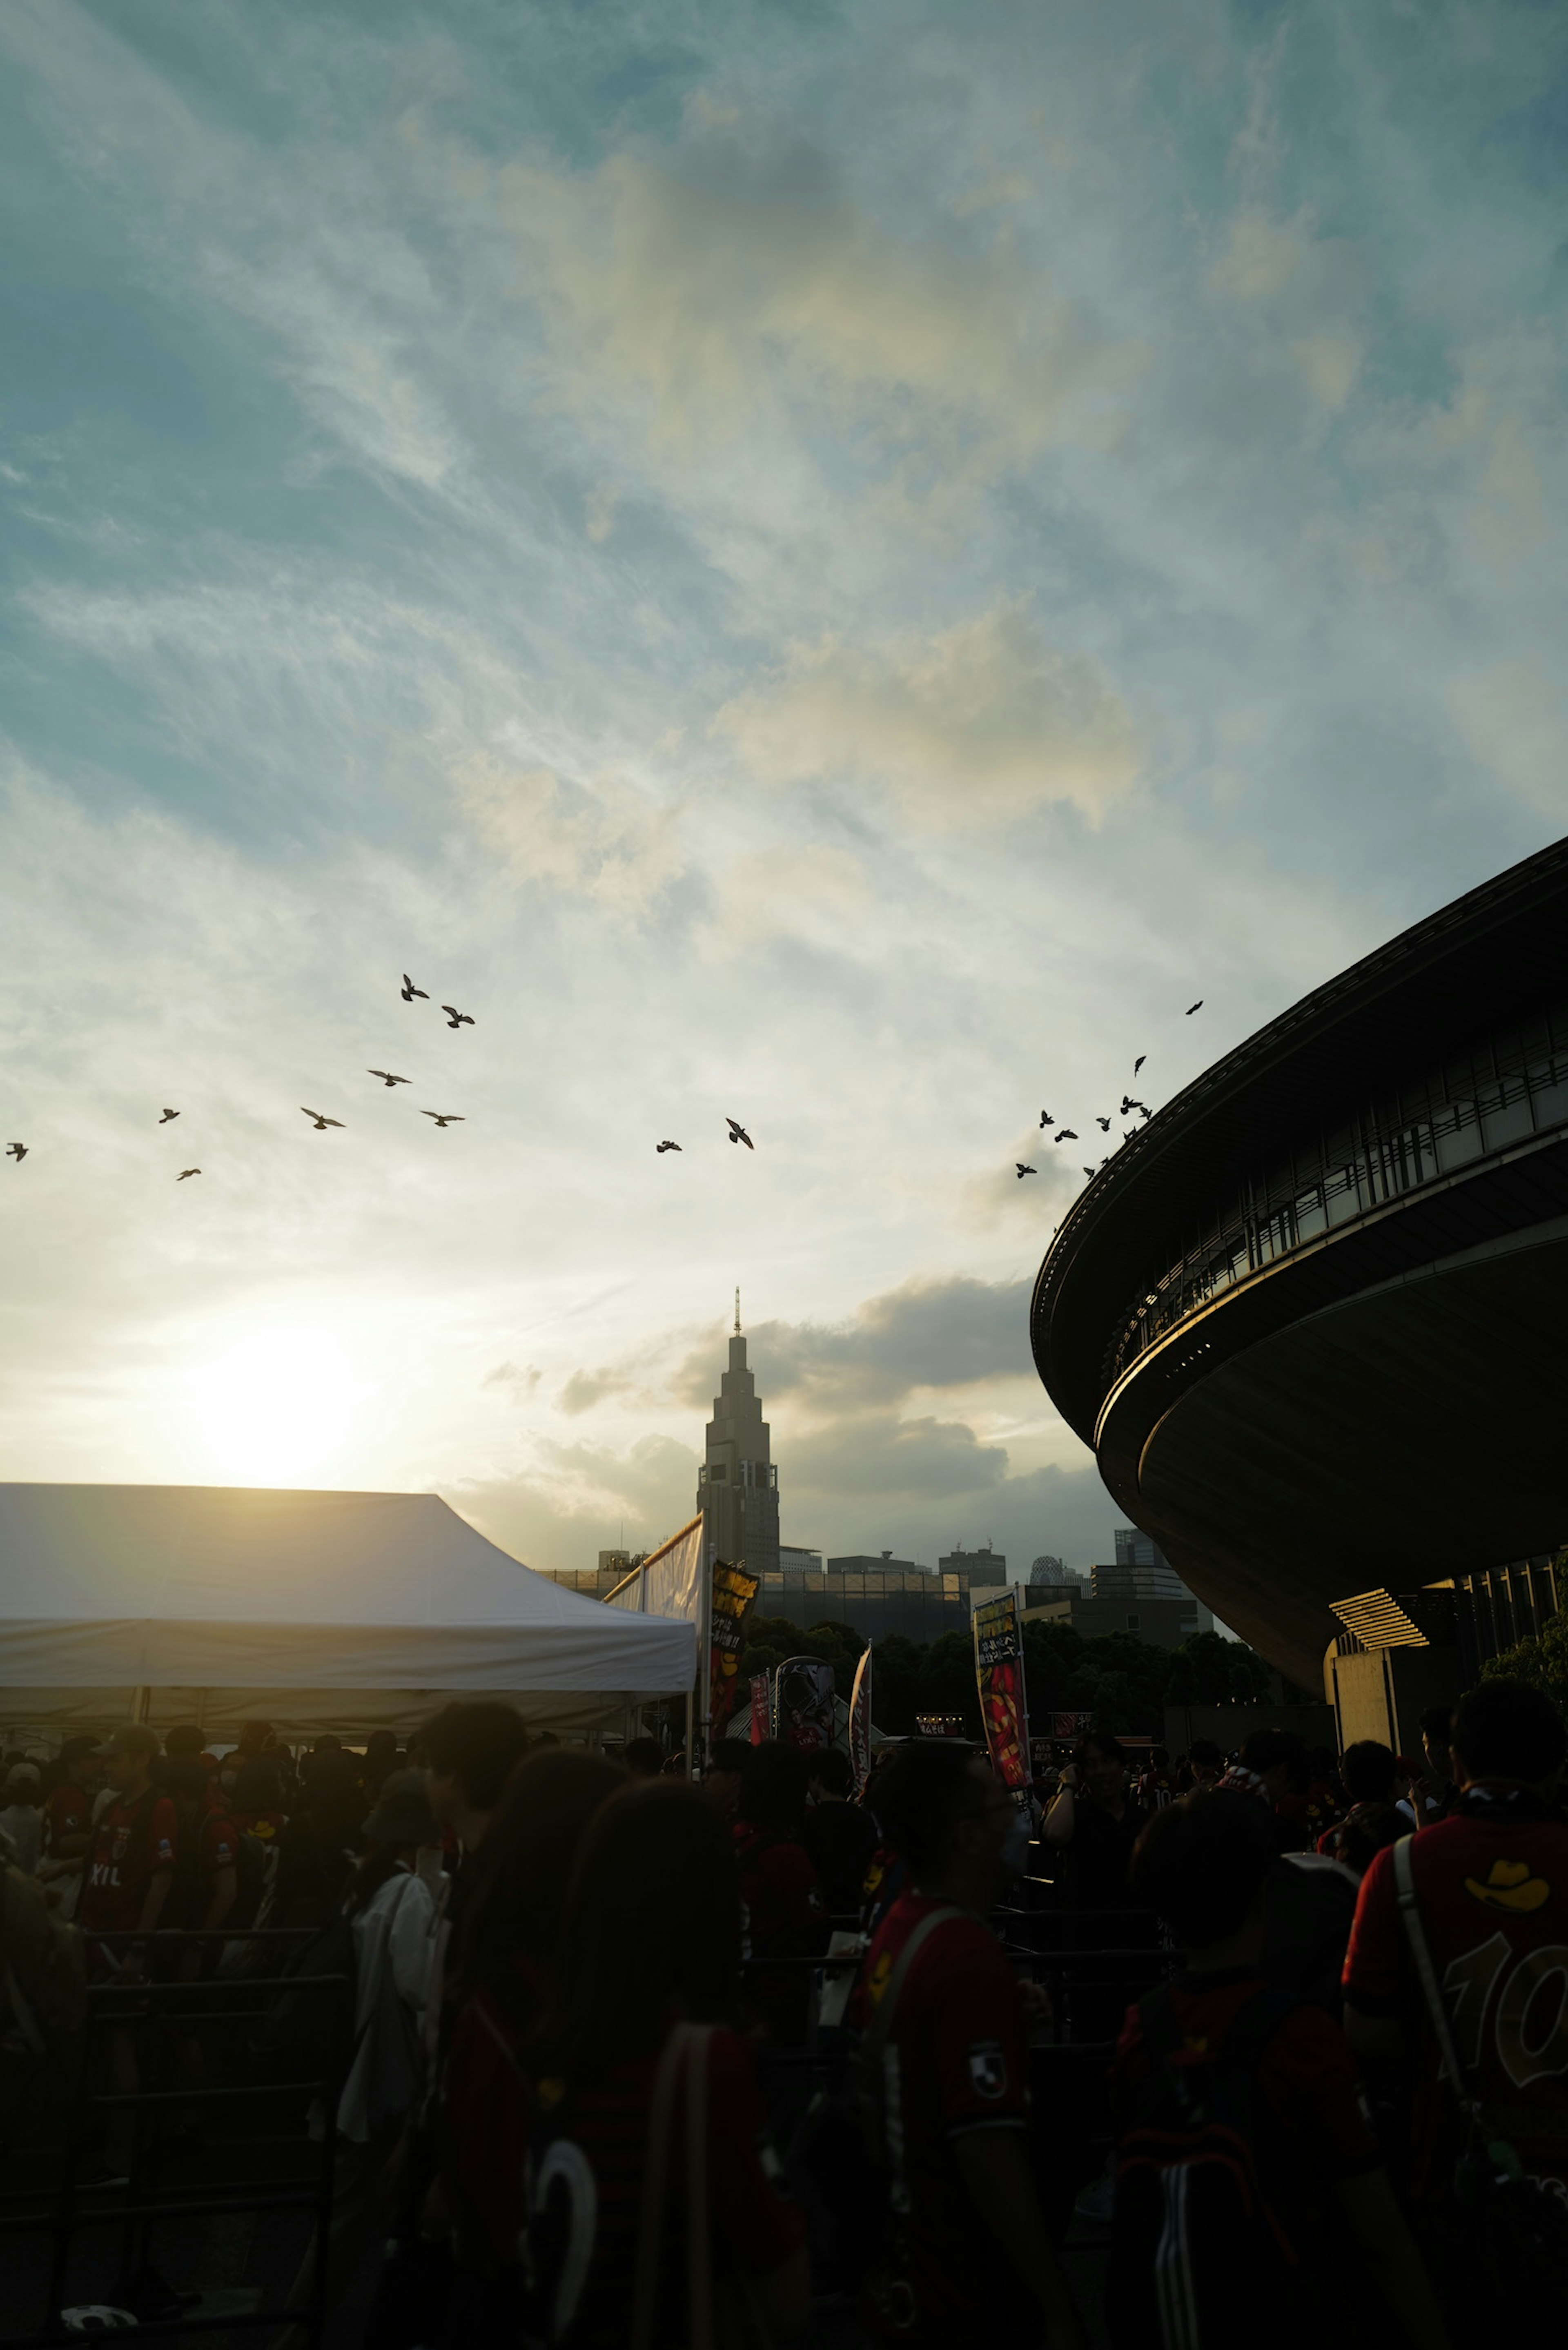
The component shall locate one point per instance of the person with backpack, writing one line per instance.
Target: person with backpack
(966, 2255)
(501, 1971)
(1251, 2204)
(656, 2211)
(390, 1918)
(1455, 1978)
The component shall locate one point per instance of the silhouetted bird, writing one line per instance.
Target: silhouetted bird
(167, 1115)
(1103, 1123)
(1147, 1113)
(457, 1019)
(666, 1146)
(450, 1119)
(409, 991)
(16, 1150)
(1140, 1061)
(739, 1134)
(1024, 1170)
(387, 1078)
(186, 1170)
(1046, 1119)
(1088, 1171)
(1188, 1013)
(1063, 1134)
(321, 1123)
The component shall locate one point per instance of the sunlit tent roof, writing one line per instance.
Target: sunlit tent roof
(315, 1611)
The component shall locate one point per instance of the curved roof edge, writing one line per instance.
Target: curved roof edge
(1414, 996)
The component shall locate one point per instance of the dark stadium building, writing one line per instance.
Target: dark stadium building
(1312, 1316)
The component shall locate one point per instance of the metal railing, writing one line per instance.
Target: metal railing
(72, 2206)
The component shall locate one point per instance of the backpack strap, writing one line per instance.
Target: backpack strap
(881, 2024)
(1426, 1976)
(655, 2181)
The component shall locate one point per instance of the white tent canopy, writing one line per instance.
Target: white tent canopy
(316, 1611)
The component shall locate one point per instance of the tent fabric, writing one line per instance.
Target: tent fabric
(669, 1582)
(235, 1588)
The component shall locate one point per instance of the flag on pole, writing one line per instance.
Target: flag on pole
(860, 1721)
(733, 1592)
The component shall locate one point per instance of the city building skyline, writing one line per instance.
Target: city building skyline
(737, 1485)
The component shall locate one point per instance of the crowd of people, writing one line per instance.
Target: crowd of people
(593, 2091)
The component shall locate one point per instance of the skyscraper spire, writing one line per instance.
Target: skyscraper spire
(737, 1310)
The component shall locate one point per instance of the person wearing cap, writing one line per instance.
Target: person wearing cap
(21, 1818)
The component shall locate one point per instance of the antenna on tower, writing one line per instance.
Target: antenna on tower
(737, 1313)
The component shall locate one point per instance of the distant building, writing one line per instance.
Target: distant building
(619, 1561)
(981, 1565)
(883, 1597)
(1135, 1548)
(1165, 1623)
(1050, 1572)
(793, 1560)
(884, 1564)
(737, 1485)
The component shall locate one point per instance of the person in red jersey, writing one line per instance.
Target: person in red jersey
(206, 1870)
(68, 1824)
(130, 1866)
(609, 2177)
(785, 1908)
(499, 1978)
(1490, 1888)
(1312, 2228)
(969, 2258)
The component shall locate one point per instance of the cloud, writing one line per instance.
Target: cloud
(981, 719)
(1308, 293)
(877, 1453)
(584, 1389)
(727, 271)
(949, 1331)
(609, 842)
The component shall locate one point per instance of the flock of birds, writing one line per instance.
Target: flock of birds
(1129, 1102)
(456, 1020)
(320, 1122)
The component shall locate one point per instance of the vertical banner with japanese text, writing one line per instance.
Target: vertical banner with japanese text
(733, 1592)
(762, 1708)
(999, 1672)
(860, 1721)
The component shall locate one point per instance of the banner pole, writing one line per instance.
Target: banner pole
(705, 1648)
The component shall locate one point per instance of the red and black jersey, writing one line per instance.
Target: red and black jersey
(208, 1842)
(961, 2050)
(1306, 2071)
(1493, 1885)
(132, 1841)
(68, 1813)
(750, 2217)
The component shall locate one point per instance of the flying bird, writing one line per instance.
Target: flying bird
(321, 1123)
(450, 1118)
(739, 1134)
(457, 1019)
(1046, 1119)
(167, 1115)
(666, 1146)
(1187, 1014)
(387, 1078)
(1088, 1171)
(186, 1170)
(409, 991)
(1063, 1134)
(1024, 1170)
(1147, 1113)
(1140, 1061)
(16, 1150)
(1103, 1123)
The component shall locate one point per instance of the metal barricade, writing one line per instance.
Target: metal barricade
(203, 2003)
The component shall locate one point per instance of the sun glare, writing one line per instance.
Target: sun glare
(276, 1404)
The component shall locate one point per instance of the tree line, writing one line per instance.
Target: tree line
(1126, 1682)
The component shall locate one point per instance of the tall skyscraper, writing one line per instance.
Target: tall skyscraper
(737, 1485)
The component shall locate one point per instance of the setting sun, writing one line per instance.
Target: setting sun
(277, 1403)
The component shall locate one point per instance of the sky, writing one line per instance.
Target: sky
(832, 566)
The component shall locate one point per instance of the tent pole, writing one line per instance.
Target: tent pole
(141, 1704)
(705, 1657)
(690, 1733)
